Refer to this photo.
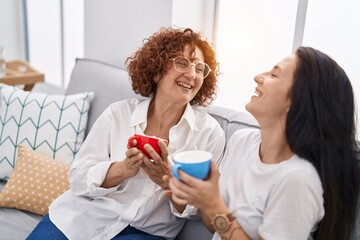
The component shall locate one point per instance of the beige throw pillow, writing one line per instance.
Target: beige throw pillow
(35, 182)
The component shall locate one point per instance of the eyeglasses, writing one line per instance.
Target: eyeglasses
(182, 64)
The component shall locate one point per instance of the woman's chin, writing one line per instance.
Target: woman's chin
(248, 107)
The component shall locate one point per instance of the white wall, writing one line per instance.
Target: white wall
(44, 24)
(115, 30)
(73, 35)
(56, 37)
(11, 29)
(197, 14)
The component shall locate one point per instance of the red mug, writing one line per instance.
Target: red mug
(142, 140)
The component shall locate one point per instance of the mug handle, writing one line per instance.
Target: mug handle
(175, 169)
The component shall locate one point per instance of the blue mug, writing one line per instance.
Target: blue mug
(194, 162)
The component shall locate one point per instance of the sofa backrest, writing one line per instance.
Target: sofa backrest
(231, 120)
(108, 82)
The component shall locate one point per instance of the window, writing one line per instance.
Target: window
(251, 37)
(333, 27)
(254, 35)
(55, 37)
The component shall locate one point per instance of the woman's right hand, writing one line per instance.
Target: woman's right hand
(202, 194)
(133, 161)
(129, 167)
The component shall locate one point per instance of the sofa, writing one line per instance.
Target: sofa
(110, 84)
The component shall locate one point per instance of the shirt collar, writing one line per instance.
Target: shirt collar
(189, 116)
(139, 115)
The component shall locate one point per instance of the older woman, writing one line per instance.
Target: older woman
(298, 176)
(116, 191)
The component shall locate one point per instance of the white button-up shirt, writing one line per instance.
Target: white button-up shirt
(87, 211)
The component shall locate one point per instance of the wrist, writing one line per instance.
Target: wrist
(216, 208)
(234, 232)
(227, 227)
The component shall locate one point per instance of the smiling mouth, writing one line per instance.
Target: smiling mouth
(257, 93)
(184, 85)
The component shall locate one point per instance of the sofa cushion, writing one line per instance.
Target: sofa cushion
(108, 82)
(15, 224)
(35, 182)
(53, 125)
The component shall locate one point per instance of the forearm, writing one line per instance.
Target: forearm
(115, 175)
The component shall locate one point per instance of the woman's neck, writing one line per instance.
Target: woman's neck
(274, 147)
(161, 117)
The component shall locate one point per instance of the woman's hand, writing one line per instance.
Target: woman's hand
(133, 161)
(158, 165)
(129, 167)
(203, 194)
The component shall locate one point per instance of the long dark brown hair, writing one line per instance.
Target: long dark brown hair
(320, 127)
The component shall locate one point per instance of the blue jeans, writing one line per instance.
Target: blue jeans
(46, 230)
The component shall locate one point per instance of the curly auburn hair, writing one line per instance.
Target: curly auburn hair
(151, 62)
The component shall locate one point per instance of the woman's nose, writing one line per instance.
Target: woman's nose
(191, 72)
(259, 79)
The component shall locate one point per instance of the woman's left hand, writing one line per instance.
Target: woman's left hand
(158, 165)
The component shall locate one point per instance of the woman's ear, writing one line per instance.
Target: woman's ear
(157, 78)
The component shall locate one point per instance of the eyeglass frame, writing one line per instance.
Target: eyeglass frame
(190, 65)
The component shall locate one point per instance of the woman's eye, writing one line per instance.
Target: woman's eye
(199, 69)
(182, 64)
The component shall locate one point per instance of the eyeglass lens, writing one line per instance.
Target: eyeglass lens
(183, 64)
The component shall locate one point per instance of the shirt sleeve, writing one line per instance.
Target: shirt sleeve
(189, 212)
(294, 206)
(92, 162)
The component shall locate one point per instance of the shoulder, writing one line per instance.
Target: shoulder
(297, 166)
(204, 120)
(131, 103)
(300, 173)
(202, 115)
(121, 108)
